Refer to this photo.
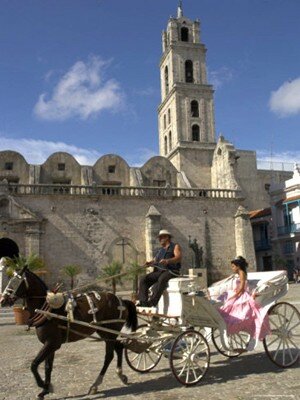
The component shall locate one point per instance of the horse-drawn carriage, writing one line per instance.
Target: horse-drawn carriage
(186, 321)
(189, 320)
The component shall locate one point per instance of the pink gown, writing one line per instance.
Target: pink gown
(243, 313)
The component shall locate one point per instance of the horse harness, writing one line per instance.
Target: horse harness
(55, 300)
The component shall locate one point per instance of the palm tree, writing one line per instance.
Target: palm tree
(33, 263)
(112, 271)
(71, 271)
(134, 272)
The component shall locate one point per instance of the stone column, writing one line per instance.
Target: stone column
(244, 237)
(2, 272)
(153, 226)
(32, 240)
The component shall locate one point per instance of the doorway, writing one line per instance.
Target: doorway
(8, 248)
(267, 263)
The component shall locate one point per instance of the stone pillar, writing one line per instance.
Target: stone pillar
(32, 241)
(2, 271)
(244, 237)
(153, 226)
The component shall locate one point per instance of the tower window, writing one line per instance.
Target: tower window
(169, 116)
(184, 34)
(165, 121)
(189, 75)
(195, 133)
(111, 169)
(61, 166)
(8, 166)
(167, 80)
(194, 109)
(166, 145)
(170, 141)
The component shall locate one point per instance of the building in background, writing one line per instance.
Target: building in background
(285, 202)
(197, 186)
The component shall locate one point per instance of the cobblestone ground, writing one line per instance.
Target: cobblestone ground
(249, 377)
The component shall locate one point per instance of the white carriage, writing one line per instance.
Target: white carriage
(187, 320)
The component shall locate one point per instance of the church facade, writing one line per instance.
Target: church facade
(197, 187)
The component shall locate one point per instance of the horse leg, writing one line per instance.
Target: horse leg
(109, 355)
(119, 350)
(48, 370)
(47, 351)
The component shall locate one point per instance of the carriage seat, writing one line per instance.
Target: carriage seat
(171, 301)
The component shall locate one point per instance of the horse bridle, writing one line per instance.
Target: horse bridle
(15, 283)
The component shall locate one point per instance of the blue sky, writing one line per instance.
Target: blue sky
(82, 75)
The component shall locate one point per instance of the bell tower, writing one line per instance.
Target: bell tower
(186, 112)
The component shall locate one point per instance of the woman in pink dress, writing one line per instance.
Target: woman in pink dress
(240, 311)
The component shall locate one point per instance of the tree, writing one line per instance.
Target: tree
(134, 272)
(72, 271)
(112, 271)
(33, 263)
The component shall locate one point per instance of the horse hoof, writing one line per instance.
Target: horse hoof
(93, 390)
(124, 379)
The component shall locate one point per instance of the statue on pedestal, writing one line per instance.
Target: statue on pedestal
(198, 253)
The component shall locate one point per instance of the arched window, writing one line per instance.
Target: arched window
(166, 145)
(189, 75)
(195, 133)
(170, 141)
(165, 121)
(194, 109)
(169, 116)
(167, 79)
(184, 34)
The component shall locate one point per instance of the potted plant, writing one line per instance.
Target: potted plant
(72, 271)
(15, 264)
(112, 271)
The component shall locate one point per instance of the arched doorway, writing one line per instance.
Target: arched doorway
(8, 248)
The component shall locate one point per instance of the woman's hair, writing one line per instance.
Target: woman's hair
(241, 263)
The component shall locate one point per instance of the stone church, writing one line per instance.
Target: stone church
(197, 187)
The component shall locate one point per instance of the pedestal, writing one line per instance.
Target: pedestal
(199, 275)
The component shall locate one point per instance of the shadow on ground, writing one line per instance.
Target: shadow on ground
(227, 370)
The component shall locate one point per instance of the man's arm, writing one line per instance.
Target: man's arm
(176, 259)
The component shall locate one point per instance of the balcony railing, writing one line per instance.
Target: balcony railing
(286, 230)
(117, 191)
(262, 244)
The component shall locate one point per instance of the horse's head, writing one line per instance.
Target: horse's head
(15, 289)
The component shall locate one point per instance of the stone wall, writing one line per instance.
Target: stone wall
(82, 230)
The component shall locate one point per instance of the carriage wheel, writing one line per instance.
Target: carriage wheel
(283, 344)
(145, 361)
(189, 358)
(238, 343)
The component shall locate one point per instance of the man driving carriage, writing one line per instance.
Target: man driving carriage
(167, 264)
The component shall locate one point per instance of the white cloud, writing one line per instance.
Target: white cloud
(37, 151)
(81, 92)
(278, 160)
(285, 101)
(141, 156)
(218, 77)
(147, 92)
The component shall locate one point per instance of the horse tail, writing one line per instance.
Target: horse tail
(132, 320)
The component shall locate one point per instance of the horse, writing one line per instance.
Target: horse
(91, 307)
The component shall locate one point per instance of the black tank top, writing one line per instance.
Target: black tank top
(167, 254)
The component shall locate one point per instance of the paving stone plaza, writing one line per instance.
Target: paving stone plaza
(249, 377)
